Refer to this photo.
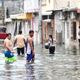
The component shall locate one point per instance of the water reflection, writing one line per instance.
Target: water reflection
(30, 72)
(8, 72)
(74, 50)
(62, 65)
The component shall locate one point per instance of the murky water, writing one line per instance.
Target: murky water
(61, 66)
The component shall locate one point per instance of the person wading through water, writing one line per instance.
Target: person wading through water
(30, 47)
(9, 52)
(20, 41)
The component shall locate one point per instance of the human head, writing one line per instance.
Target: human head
(31, 33)
(50, 36)
(9, 35)
(20, 32)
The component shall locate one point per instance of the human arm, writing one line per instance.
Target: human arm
(15, 41)
(24, 40)
(31, 45)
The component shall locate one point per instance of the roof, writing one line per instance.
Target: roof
(22, 16)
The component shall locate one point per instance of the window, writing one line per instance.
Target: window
(20, 26)
(2, 29)
(15, 31)
(7, 13)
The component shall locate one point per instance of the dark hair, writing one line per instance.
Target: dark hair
(8, 34)
(79, 27)
(20, 32)
(51, 37)
(31, 31)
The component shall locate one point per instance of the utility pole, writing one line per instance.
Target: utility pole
(3, 11)
(40, 20)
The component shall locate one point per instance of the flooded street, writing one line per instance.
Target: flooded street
(64, 65)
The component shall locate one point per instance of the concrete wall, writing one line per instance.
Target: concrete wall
(67, 34)
(54, 5)
(35, 26)
(63, 28)
(59, 27)
(10, 28)
(47, 5)
(60, 4)
(31, 5)
(26, 26)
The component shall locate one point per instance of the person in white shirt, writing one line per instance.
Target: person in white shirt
(50, 40)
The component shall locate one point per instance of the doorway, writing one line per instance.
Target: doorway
(50, 29)
(74, 30)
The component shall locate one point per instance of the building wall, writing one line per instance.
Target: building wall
(35, 27)
(31, 6)
(14, 6)
(74, 3)
(10, 28)
(69, 33)
(60, 4)
(67, 30)
(48, 5)
(63, 28)
(59, 27)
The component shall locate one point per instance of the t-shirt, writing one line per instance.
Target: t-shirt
(20, 41)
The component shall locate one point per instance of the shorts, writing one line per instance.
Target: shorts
(8, 54)
(30, 56)
(10, 60)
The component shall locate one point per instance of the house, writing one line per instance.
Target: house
(24, 18)
(51, 15)
(63, 18)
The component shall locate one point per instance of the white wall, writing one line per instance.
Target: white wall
(77, 28)
(58, 27)
(54, 5)
(31, 5)
(10, 28)
(58, 22)
(46, 6)
(74, 3)
(36, 29)
(67, 34)
(60, 4)
(27, 28)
